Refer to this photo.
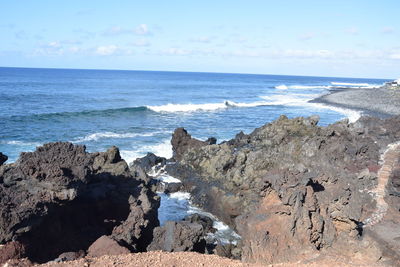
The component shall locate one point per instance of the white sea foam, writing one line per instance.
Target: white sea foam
(20, 143)
(285, 87)
(289, 100)
(188, 107)
(204, 107)
(224, 233)
(357, 85)
(281, 87)
(129, 156)
(104, 135)
(352, 115)
(165, 178)
(302, 100)
(163, 149)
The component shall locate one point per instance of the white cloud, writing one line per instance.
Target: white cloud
(142, 29)
(55, 44)
(106, 50)
(394, 56)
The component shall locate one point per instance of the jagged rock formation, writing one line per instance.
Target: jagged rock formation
(179, 236)
(61, 199)
(296, 191)
(181, 141)
(3, 158)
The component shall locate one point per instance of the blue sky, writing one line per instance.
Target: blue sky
(320, 38)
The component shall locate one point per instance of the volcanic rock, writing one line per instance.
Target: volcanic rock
(11, 250)
(182, 142)
(106, 246)
(204, 221)
(3, 158)
(294, 190)
(140, 167)
(61, 198)
(178, 236)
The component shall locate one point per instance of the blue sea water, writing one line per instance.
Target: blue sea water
(138, 110)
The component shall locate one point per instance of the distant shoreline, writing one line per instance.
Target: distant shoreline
(376, 102)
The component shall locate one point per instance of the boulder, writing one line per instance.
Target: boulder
(3, 158)
(178, 236)
(12, 250)
(106, 246)
(70, 256)
(141, 167)
(168, 188)
(61, 198)
(204, 221)
(294, 190)
(182, 142)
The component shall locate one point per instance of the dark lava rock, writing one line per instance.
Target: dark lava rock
(61, 198)
(182, 142)
(293, 189)
(204, 221)
(142, 166)
(3, 158)
(178, 236)
(168, 188)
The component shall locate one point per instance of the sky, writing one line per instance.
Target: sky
(316, 38)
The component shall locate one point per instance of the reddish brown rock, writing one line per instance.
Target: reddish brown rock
(11, 250)
(106, 246)
(294, 190)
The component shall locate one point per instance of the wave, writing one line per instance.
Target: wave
(163, 149)
(303, 101)
(20, 143)
(85, 113)
(102, 135)
(357, 85)
(188, 107)
(204, 107)
(285, 87)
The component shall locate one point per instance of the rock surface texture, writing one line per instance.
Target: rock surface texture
(3, 158)
(179, 236)
(297, 191)
(61, 199)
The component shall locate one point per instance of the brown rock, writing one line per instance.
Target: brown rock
(106, 246)
(11, 250)
(182, 142)
(293, 189)
(60, 198)
(178, 236)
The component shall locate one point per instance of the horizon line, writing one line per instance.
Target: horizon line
(180, 71)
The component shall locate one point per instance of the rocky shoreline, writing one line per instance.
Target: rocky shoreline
(381, 102)
(295, 193)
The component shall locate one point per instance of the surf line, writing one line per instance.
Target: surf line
(389, 159)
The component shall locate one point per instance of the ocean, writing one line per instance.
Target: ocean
(138, 110)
